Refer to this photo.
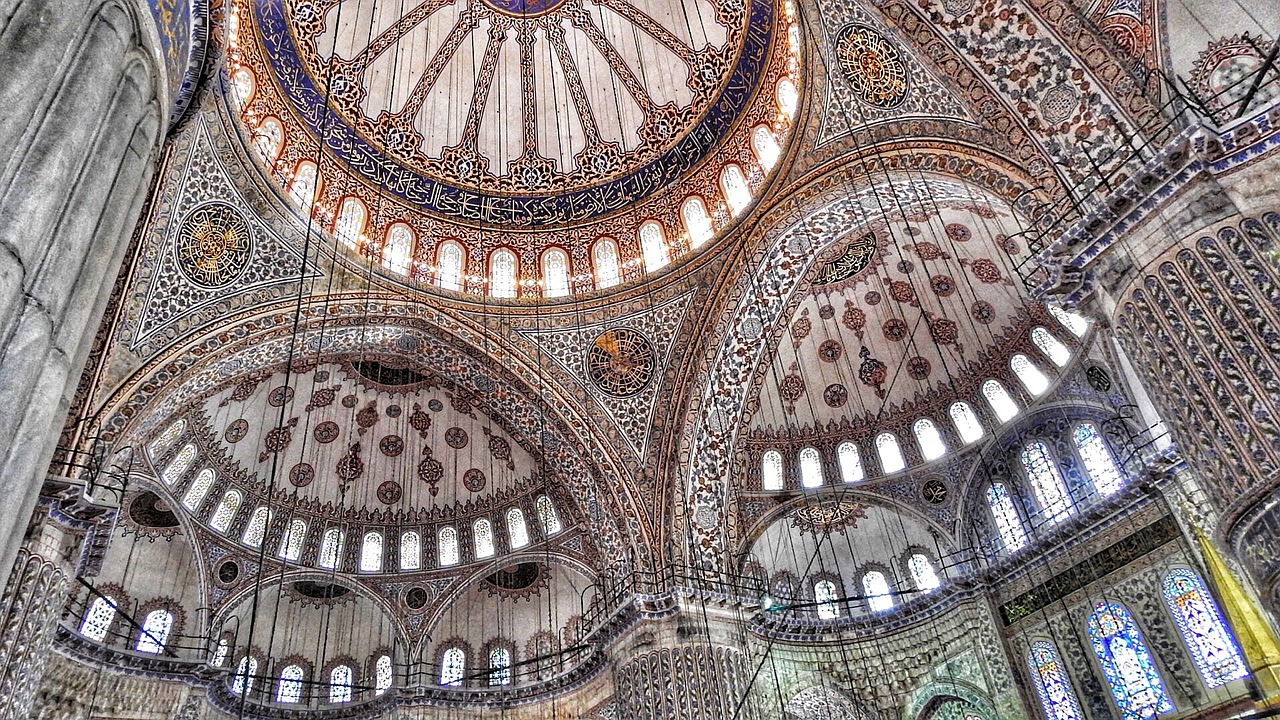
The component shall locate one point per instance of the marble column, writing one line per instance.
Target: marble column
(33, 600)
(81, 129)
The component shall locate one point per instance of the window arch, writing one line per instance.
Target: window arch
(225, 512)
(1032, 379)
(922, 573)
(269, 139)
(289, 689)
(220, 652)
(256, 529)
(771, 471)
(382, 674)
(966, 422)
(1075, 323)
(305, 184)
(930, 440)
(824, 593)
(697, 221)
(165, 439)
(351, 221)
(555, 273)
(155, 632)
(788, 99)
(1005, 515)
(451, 262)
(331, 546)
(410, 550)
(1203, 629)
(371, 552)
(245, 675)
(482, 536)
(606, 262)
(810, 468)
(517, 531)
(1056, 696)
(452, 667)
(179, 465)
(765, 146)
(499, 666)
(1126, 663)
(291, 543)
(243, 85)
(97, 621)
(998, 398)
(199, 487)
(502, 273)
(733, 183)
(340, 681)
(890, 454)
(653, 246)
(1046, 481)
(447, 538)
(850, 462)
(876, 588)
(398, 250)
(548, 516)
(1097, 459)
(1051, 346)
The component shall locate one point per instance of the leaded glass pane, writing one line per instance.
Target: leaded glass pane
(371, 552)
(998, 398)
(1097, 459)
(1046, 482)
(302, 190)
(850, 462)
(653, 246)
(1005, 515)
(922, 573)
(499, 666)
(1204, 631)
(929, 439)
(331, 548)
(448, 546)
(97, 621)
(890, 454)
(256, 529)
(1030, 375)
(453, 667)
(410, 551)
(876, 588)
(450, 261)
(502, 274)
(824, 593)
(482, 537)
(225, 512)
(245, 673)
(555, 273)
(351, 221)
(167, 438)
(1073, 322)
(697, 221)
(765, 146)
(736, 191)
(340, 684)
(178, 466)
(966, 422)
(605, 261)
(810, 468)
(289, 690)
(771, 470)
(198, 489)
(517, 531)
(1126, 663)
(1053, 348)
(1056, 696)
(398, 250)
(382, 674)
(291, 543)
(548, 516)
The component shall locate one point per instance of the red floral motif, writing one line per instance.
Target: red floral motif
(350, 466)
(826, 312)
(323, 397)
(918, 367)
(1008, 244)
(943, 285)
(985, 270)
(835, 395)
(872, 373)
(958, 232)
(928, 250)
(474, 480)
(326, 432)
(943, 331)
(420, 421)
(430, 471)
(279, 396)
(236, 431)
(800, 329)
(242, 392)
(983, 312)
(367, 416)
(901, 291)
(391, 445)
(277, 439)
(895, 329)
(830, 351)
(854, 319)
(456, 438)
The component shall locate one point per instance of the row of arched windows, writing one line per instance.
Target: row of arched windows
(152, 636)
(1127, 663)
(293, 679)
(876, 590)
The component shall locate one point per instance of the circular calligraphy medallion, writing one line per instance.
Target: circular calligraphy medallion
(236, 431)
(474, 480)
(213, 245)
(302, 474)
(621, 362)
(875, 67)
(456, 438)
(389, 492)
(934, 491)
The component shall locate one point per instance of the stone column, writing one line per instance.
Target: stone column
(81, 129)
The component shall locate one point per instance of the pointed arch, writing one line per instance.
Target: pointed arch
(653, 246)
(1127, 664)
(555, 273)
(1204, 631)
(606, 262)
(451, 263)
(397, 251)
(1046, 481)
(1056, 695)
(502, 273)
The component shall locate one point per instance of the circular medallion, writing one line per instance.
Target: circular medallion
(389, 492)
(456, 438)
(895, 329)
(830, 351)
(1098, 378)
(874, 66)
(228, 572)
(393, 411)
(236, 431)
(918, 367)
(279, 395)
(934, 491)
(435, 405)
(958, 232)
(835, 395)
(416, 598)
(301, 475)
(983, 311)
(326, 432)
(213, 245)
(391, 445)
(474, 480)
(621, 362)
(943, 285)
(524, 8)
(349, 401)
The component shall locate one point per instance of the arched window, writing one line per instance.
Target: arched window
(788, 99)
(1052, 348)
(453, 667)
(998, 398)
(502, 273)
(555, 273)
(771, 470)
(305, 184)
(548, 516)
(929, 439)
(606, 262)
(517, 531)
(1097, 459)
(499, 666)
(97, 621)
(1126, 663)
(850, 462)
(810, 468)
(340, 679)
(166, 438)
(1056, 696)
(1073, 322)
(410, 550)
(268, 140)
(697, 221)
(382, 675)
(1032, 379)
(922, 573)
(653, 246)
(1203, 629)
(1005, 515)
(966, 422)
(448, 545)
(451, 261)
(179, 465)
(256, 529)
(482, 535)
(1046, 482)
(243, 85)
(220, 653)
(824, 593)
(733, 183)
(371, 552)
(245, 673)
(289, 689)
(198, 489)
(890, 454)
(225, 512)
(331, 546)
(876, 589)
(398, 249)
(765, 146)
(291, 543)
(350, 223)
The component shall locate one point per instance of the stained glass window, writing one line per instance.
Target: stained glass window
(1056, 696)
(453, 667)
(810, 468)
(245, 673)
(998, 398)
(736, 191)
(697, 221)
(1046, 482)
(555, 273)
(256, 529)
(517, 531)
(929, 439)
(382, 675)
(166, 438)
(371, 552)
(1126, 663)
(1204, 631)
(1032, 379)
(410, 550)
(850, 462)
(220, 653)
(922, 573)
(890, 454)
(482, 535)
(448, 545)
(289, 689)
(340, 684)
(771, 470)
(876, 588)
(653, 246)
(1097, 458)
(1051, 346)
(178, 466)
(303, 187)
(198, 489)
(291, 543)
(765, 145)
(399, 249)
(1005, 515)
(269, 139)
(547, 515)
(331, 548)
(966, 422)
(605, 261)
(788, 99)
(824, 593)
(351, 220)
(97, 621)
(225, 512)
(499, 666)
(1073, 322)
(502, 273)
(450, 262)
